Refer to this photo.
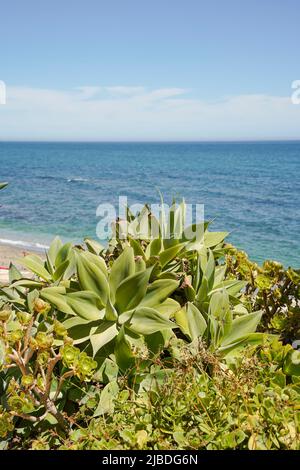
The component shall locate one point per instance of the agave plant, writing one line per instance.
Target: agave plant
(3, 185)
(165, 241)
(131, 298)
(219, 328)
(120, 306)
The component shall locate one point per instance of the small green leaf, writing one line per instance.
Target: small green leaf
(107, 397)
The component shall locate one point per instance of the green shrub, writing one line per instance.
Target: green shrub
(142, 343)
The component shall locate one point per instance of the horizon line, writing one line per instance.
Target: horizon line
(162, 141)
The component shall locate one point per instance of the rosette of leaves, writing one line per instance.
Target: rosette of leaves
(118, 312)
(219, 328)
(164, 241)
(206, 278)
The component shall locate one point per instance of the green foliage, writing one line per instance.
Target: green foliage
(141, 344)
(270, 288)
(245, 405)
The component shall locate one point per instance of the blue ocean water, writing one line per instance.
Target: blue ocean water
(249, 189)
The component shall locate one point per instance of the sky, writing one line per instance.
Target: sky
(149, 70)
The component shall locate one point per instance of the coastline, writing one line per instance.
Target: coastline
(13, 254)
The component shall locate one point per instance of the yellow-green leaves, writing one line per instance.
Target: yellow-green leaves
(85, 304)
(292, 363)
(158, 291)
(36, 265)
(191, 321)
(132, 290)
(102, 335)
(145, 321)
(122, 268)
(91, 277)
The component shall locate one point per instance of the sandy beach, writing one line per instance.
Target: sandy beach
(12, 254)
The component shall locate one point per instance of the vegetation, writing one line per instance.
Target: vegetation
(164, 343)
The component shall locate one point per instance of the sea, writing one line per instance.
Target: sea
(250, 189)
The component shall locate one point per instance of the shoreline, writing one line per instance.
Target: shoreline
(13, 254)
(10, 253)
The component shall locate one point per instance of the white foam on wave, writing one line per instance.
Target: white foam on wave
(25, 244)
(84, 180)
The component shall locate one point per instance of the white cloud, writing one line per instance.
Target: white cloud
(137, 113)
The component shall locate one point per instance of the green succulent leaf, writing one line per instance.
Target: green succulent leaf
(241, 327)
(36, 265)
(91, 278)
(122, 268)
(158, 291)
(102, 335)
(132, 290)
(212, 239)
(145, 321)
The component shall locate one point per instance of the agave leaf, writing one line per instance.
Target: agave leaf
(168, 307)
(132, 290)
(138, 250)
(111, 313)
(57, 300)
(158, 291)
(122, 268)
(158, 341)
(191, 321)
(196, 322)
(35, 264)
(154, 247)
(85, 304)
(71, 268)
(233, 287)
(219, 304)
(59, 272)
(54, 248)
(212, 239)
(63, 253)
(102, 335)
(219, 275)
(210, 270)
(242, 326)
(27, 283)
(14, 273)
(79, 329)
(98, 261)
(170, 253)
(251, 339)
(123, 353)
(203, 291)
(146, 321)
(140, 264)
(91, 278)
(93, 246)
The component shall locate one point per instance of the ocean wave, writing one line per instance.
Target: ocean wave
(25, 244)
(76, 180)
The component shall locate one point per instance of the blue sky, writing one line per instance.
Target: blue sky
(88, 59)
